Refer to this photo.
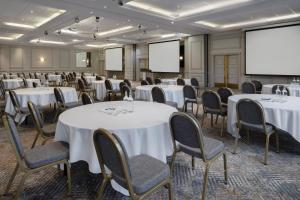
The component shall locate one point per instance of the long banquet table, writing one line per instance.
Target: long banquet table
(283, 112)
(143, 131)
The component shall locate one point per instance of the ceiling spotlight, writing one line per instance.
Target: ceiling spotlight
(97, 30)
(94, 36)
(139, 27)
(46, 32)
(77, 19)
(145, 32)
(97, 19)
(120, 3)
(59, 32)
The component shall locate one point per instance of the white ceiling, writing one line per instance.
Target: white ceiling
(136, 21)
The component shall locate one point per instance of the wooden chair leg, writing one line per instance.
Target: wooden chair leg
(211, 120)
(172, 161)
(204, 191)
(267, 149)
(217, 118)
(203, 116)
(277, 141)
(67, 164)
(223, 124)
(21, 186)
(193, 162)
(235, 145)
(35, 140)
(170, 189)
(11, 179)
(225, 168)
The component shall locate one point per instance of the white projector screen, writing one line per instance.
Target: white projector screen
(164, 56)
(114, 59)
(274, 51)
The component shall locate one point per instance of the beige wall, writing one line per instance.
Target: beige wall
(27, 59)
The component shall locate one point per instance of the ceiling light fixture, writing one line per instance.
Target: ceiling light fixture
(198, 10)
(115, 30)
(101, 46)
(212, 25)
(54, 15)
(168, 35)
(6, 38)
(67, 31)
(16, 36)
(47, 42)
(19, 25)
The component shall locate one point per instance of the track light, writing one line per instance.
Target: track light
(76, 20)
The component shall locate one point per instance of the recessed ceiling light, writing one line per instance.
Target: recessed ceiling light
(207, 24)
(91, 12)
(6, 38)
(31, 11)
(115, 30)
(47, 42)
(67, 31)
(172, 22)
(19, 25)
(54, 15)
(101, 46)
(168, 35)
(104, 7)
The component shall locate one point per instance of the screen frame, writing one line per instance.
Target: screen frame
(122, 59)
(245, 49)
(163, 42)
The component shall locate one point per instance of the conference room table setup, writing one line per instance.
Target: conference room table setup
(100, 87)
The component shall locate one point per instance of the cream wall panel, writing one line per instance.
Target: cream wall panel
(16, 59)
(26, 58)
(64, 59)
(55, 59)
(4, 58)
(232, 43)
(129, 62)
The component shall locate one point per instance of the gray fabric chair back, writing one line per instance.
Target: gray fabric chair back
(274, 88)
(157, 81)
(36, 115)
(84, 81)
(149, 80)
(189, 92)
(25, 83)
(14, 100)
(258, 85)
(34, 84)
(18, 75)
(127, 82)
(121, 84)
(98, 78)
(224, 94)
(125, 90)
(81, 84)
(108, 85)
(36, 76)
(4, 76)
(144, 82)
(46, 76)
(248, 88)
(211, 100)
(111, 153)
(86, 99)
(15, 138)
(158, 95)
(74, 74)
(31, 75)
(180, 81)
(186, 130)
(59, 95)
(2, 88)
(249, 111)
(194, 82)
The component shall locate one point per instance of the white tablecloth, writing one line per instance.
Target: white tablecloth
(54, 77)
(173, 93)
(145, 131)
(282, 112)
(17, 83)
(41, 96)
(101, 90)
(173, 81)
(294, 90)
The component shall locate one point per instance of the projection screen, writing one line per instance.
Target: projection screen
(274, 51)
(164, 56)
(114, 59)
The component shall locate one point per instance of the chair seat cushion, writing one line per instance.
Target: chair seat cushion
(146, 172)
(46, 154)
(24, 110)
(89, 90)
(222, 112)
(49, 130)
(253, 127)
(73, 104)
(171, 103)
(212, 148)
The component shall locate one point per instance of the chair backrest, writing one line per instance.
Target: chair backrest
(194, 82)
(248, 88)
(2, 88)
(34, 84)
(31, 75)
(189, 92)
(144, 82)
(25, 83)
(186, 130)
(258, 85)
(127, 82)
(98, 78)
(47, 76)
(112, 154)
(149, 80)
(59, 96)
(224, 94)
(211, 100)
(158, 95)
(108, 85)
(274, 88)
(250, 112)
(36, 115)
(4, 76)
(121, 84)
(84, 80)
(86, 99)
(180, 81)
(15, 138)
(36, 76)
(18, 75)
(81, 84)
(125, 90)
(157, 81)
(14, 100)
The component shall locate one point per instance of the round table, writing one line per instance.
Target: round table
(144, 131)
(282, 112)
(101, 89)
(17, 83)
(41, 96)
(173, 93)
(294, 89)
(173, 81)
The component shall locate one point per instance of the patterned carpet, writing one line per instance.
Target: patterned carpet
(248, 177)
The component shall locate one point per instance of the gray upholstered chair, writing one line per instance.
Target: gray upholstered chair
(248, 88)
(25, 84)
(212, 105)
(190, 97)
(224, 94)
(187, 137)
(149, 80)
(180, 81)
(125, 90)
(157, 81)
(86, 99)
(16, 104)
(36, 159)
(83, 88)
(251, 117)
(158, 95)
(127, 82)
(144, 82)
(280, 87)
(110, 91)
(141, 175)
(99, 78)
(46, 132)
(258, 86)
(196, 85)
(61, 102)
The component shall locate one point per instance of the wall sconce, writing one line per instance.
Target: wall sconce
(181, 58)
(42, 59)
